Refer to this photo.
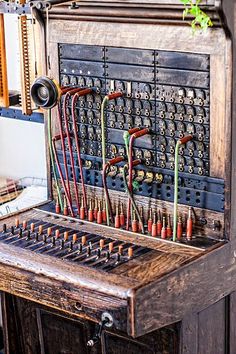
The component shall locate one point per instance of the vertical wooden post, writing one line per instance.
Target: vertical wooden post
(12, 340)
(4, 96)
(189, 335)
(232, 321)
(25, 66)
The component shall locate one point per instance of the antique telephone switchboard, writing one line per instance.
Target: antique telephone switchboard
(138, 125)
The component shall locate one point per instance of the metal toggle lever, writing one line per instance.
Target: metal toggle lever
(106, 321)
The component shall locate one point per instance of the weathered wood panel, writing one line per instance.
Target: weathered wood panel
(201, 282)
(211, 329)
(232, 323)
(87, 292)
(12, 343)
(206, 331)
(229, 8)
(161, 265)
(189, 335)
(45, 331)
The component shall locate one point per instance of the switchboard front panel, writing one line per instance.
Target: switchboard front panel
(167, 92)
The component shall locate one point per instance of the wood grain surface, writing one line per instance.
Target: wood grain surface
(87, 292)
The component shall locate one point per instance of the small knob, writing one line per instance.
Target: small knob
(102, 243)
(32, 227)
(111, 246)
(17, 222)
(74, 238)
(57, 233)
(130, 252)
(66, 236)
(120, 249)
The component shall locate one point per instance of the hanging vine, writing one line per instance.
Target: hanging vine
(200, 19)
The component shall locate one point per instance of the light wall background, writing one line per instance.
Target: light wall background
(22, 143)
(22, 149)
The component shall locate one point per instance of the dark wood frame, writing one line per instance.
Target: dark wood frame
(205, 287)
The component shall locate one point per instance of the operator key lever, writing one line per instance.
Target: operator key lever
(106, 321)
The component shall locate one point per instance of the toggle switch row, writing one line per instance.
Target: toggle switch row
(68, 244)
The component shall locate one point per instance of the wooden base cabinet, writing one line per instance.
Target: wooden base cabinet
(30, 328)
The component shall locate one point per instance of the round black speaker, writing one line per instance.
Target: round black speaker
(45, 92)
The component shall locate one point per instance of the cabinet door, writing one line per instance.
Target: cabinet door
(33, 329)
(163, 341)
(59, 335)
(30, 328)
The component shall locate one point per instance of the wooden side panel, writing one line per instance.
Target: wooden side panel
(220, 108)
(206, 331)
(229, 8)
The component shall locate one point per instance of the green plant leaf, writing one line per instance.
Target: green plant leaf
(200, 19)
(185, 13)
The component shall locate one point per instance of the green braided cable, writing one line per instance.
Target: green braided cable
(52, 157)
(103, 106)
(126, 137)
(176, 189)
(132, 199)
